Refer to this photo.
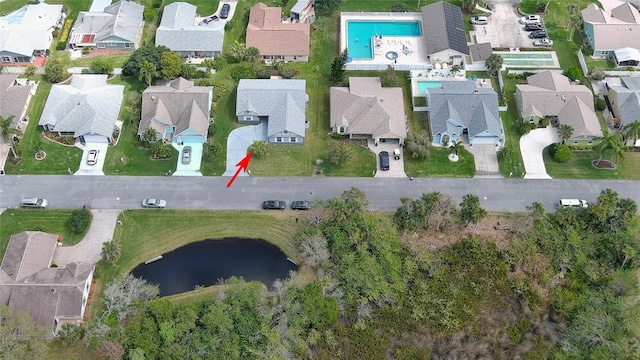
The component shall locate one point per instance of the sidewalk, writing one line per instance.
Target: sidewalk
(88, 250)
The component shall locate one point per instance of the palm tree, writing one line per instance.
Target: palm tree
(110, 252)
(632, 131)
(494, 64)
(565, 131)
(613, 142)
(455, 69)
(237, 50)
(150, 135)
(9, 132)
(147, 72)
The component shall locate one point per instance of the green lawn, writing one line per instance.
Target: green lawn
(15, 221)
(580, 167)
(117, 60)
(438, 165)
(59, 158)
(512, 165)
(170, 231)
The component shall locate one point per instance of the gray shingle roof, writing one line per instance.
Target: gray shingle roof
(87, 106)
(366, 108)
(581, 117)
(284, 101)
(443, 28)
(475, 109)
(27, 253)
(13, 98)
(480, 52)
(181, 104)
(178, 32)
(627, 90)
(547, 93)
(122, 19)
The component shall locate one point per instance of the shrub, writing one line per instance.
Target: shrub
(149, 15)
(399, 7)
(79, 220)
(66, 29)
(101, 66)
(287, 73)
(544, 122)
(562, 154)
(86, 50)
(601, 104)
(522, 126)
(574, 73)
(264, 74)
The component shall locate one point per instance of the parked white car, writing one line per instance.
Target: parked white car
(546, 42)
(479, 20)
(530, 19)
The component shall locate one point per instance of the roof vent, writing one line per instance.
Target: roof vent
(153, 97)
(475, 91)
(563, 98)
(53, 291)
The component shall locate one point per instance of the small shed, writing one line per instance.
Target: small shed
(626, 57)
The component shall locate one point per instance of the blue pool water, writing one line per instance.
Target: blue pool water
(359, 34)
(423, 86)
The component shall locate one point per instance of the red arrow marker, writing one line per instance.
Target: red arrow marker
(242, 166)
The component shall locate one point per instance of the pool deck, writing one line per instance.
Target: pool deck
(410, 49)
(442, 75)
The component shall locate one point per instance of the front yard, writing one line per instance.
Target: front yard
(580, 167)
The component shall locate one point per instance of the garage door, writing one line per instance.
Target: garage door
(95, 139)
(483, 141)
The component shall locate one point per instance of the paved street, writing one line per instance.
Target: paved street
(123, 192)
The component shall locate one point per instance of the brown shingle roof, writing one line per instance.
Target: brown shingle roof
(27, 253)
(366, 108)
(13, 98)
(270, 36)
(181, 104)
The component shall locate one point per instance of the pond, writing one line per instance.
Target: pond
(203, 263)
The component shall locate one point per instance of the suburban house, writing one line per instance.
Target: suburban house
(366, 110)
(14, 97)
(86, 109)
(24, 40)
(178, 32)
(551, 95)
(281, 103)
(277, 41)
(459, 108)
(53, 296)
(614, 26)
(444, 33)
(179, 111)
(118, 27)
(623, 94)
(302, 11)
(479, 53)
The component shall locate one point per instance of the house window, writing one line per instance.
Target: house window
(293, 139)
(127, 45)
(590, 142)
(279, 139)
(575, 142)
(285, 132)
(248, 118)
(111, 44)
(342, 129)
(101, 45)
(532, 118)
(6, 59)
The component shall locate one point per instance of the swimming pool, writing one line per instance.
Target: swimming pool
(424, 86)
(360, 32)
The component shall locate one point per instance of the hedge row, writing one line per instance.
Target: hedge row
(62, 43)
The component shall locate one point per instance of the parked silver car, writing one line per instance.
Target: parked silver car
(154, 203)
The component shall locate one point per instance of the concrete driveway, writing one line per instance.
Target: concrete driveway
(238, 142)
(86, 169)
(531, 146)
(88, 250)
(485, 159)
(396, 167)
(193, 167)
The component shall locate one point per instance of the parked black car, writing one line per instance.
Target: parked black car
(384, 160)
(533, 27)
(300, 205)
(224, 12)
(540, 34)
(274, 205)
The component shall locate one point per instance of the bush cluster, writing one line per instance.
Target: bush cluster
(79, 220)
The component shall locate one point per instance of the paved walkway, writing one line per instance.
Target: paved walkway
(396, 167)
(238, 142)
(486, 160)
(531, 146)
(88, 250)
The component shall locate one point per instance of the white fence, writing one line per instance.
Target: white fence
(622, 73)
(382, 67)
(583, 63)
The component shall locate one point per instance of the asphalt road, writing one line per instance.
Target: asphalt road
(124, 192)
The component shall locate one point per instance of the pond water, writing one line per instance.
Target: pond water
(203, 263)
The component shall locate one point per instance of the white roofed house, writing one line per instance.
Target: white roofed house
(118, 27)
(86, 109)
(282, 103)
(178, 32)
(23, 41)
(366, 110)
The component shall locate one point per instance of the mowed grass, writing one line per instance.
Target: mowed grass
(59, 158)
(14, 221)
(439, 165)
(580, 167)
(115, 59)
(146, 234)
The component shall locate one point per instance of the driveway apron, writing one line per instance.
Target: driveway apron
(531, 146)
(238, 142)
(485, 159)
